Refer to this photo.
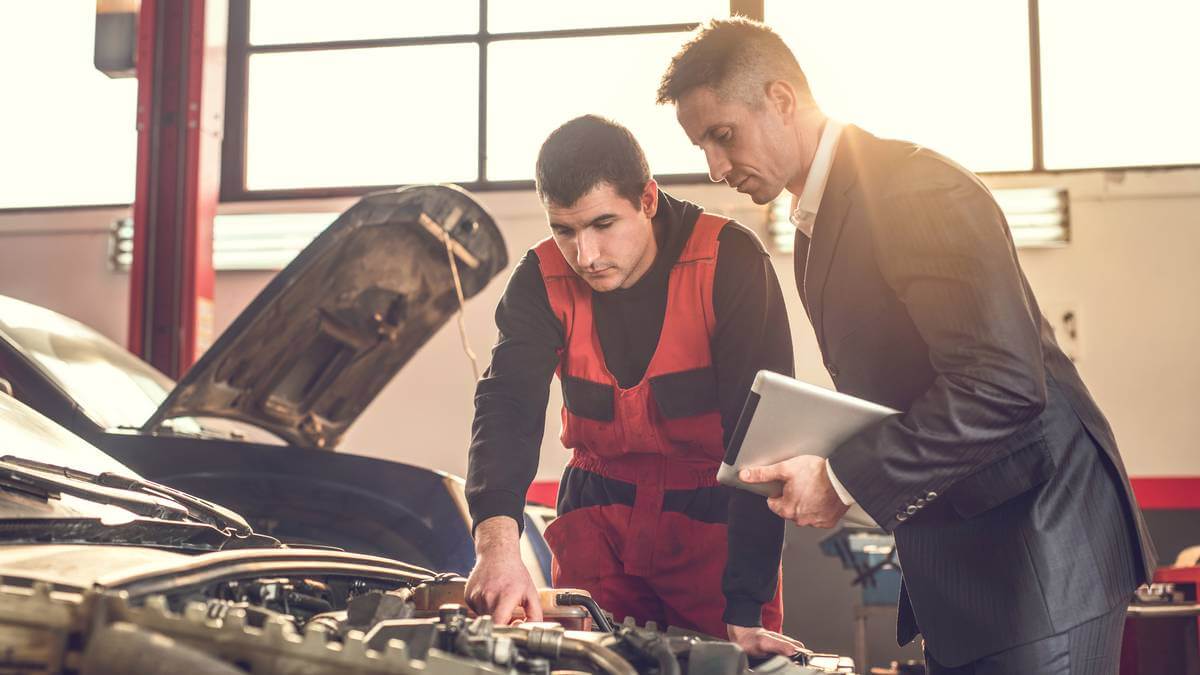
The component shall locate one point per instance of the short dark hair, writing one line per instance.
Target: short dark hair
(737, 58)
(588, 151)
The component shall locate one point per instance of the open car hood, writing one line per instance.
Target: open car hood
(331, 330)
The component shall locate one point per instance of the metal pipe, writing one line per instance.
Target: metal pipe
(590, 605)
(601, 657)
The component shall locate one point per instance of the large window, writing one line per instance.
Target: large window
(278, 22)
(621, 85)
(1107, 84)
(327, 99)
(948, 74)
(1120, 83)
(362, 117)
(67, 132)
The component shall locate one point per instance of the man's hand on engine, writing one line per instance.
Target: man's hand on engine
(759, 642)
(500, 583)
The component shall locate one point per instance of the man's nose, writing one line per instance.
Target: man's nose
(587, 248)
(718, 165)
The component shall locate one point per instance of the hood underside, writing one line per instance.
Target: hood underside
(316, 346)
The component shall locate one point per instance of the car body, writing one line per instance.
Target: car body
(253, 424)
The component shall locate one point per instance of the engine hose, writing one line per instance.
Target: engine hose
(667, 664)
(555, 645)
(122, 648)
(654, 647)
(585, 601)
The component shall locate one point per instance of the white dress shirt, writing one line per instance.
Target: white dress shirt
(804, 216)
(804, 206)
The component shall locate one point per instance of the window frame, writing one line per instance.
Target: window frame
(239, 49)
(234, 149)
(233, 146)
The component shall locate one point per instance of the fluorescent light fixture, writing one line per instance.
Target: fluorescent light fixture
(245, 242)
(1037, 218)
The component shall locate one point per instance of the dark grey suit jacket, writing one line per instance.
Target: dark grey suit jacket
(1001, 480)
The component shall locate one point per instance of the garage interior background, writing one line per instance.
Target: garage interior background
(1128, 274)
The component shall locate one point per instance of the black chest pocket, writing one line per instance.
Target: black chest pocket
(590, 400)
(687, 393)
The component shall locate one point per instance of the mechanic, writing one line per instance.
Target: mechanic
(656, 340)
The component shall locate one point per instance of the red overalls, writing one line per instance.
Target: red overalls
(642, 520)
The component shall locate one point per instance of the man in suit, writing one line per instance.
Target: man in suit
(1016, 529)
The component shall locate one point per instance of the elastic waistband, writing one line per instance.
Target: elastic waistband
(672, 473)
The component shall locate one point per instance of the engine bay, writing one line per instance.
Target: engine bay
(328, 623)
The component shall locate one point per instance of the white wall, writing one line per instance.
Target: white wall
(1130, 273)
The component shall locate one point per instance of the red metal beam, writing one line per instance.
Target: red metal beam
(1167, 492)
(544, 491)
(1153, 493)
(181, 74)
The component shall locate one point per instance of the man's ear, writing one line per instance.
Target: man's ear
(650, 198)
(781, 97)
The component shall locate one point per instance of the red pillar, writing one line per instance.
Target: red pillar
(181, 79)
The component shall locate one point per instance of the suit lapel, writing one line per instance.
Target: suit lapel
(827, 230)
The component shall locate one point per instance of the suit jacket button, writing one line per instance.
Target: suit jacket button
(902, 516)
(931, 496)
(911, 510)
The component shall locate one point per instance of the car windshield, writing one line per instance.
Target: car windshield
(115, 388)
(26, 433)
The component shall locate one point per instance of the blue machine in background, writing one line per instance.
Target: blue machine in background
(870, 554)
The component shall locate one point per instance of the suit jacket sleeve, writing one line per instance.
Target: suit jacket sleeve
(944, 249)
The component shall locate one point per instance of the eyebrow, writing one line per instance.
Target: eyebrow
(593, 221)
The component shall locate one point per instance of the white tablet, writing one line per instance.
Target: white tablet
(784, 418)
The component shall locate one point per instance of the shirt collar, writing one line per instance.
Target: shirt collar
(805, 206)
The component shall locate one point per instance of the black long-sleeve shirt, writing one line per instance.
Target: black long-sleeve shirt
(751, 334)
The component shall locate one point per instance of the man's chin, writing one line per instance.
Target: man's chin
(760, 196)
(603, 285)
(763, 197)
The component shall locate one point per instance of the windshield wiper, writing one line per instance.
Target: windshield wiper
(143, 497)
(52, 485)
(149, 532)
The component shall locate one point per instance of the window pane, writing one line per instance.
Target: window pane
(383, 116)
(287, 21)
(1119, 83)
(548, 72)
(67, 131)
(950, 75)
(507, 16)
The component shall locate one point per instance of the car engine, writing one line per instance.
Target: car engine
(327, 624)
